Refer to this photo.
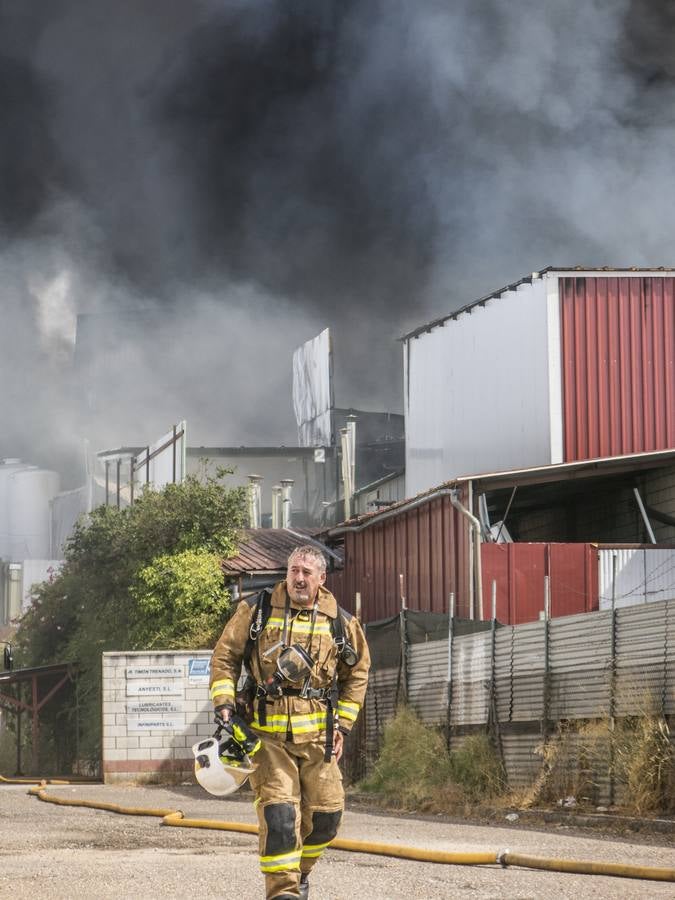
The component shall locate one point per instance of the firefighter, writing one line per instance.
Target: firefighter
(306, 662)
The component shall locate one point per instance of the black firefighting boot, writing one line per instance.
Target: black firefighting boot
(304, 887)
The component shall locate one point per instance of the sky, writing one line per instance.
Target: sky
(220, 180)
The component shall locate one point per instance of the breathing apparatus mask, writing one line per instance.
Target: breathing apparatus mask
(223, 762)
(347, 653)
(294, 664)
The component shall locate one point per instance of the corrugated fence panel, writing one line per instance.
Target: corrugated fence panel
(528, 670)
(579, 666)
(521, 758)
(580, 673)
(470, 677)
(380, 705)
(643, 658)
(428, 681)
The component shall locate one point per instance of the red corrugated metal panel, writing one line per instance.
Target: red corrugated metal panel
(427, 545)
(519, 571)
(618, 349)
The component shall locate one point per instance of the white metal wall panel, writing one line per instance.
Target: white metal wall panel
(390, 491)
(642, 576)
(477, 391)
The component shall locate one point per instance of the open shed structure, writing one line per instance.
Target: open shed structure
(562, 522)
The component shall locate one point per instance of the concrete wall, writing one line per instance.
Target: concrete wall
(155, 707)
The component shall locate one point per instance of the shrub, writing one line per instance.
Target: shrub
(414, 769)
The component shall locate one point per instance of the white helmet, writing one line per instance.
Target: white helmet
(219, 775)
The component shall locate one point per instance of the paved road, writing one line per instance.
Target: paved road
(55, 852)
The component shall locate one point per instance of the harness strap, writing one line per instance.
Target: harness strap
(306, 694)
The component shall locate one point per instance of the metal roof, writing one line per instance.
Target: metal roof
(528, 279)
(509, 478)
(242, 450)
(264, 551)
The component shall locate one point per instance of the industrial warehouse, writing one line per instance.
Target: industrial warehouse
(328, 567)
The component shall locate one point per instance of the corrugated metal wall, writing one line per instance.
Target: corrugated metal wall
(618, 351)
(642, 576)
(567, 674)
(427, 545)
(476, 393)
(519, 571)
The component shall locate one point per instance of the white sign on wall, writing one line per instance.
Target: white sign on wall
(154, 671)
(135, 689)
(153, 723)
(152, 707)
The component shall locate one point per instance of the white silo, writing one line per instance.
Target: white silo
(8, 467)
(29, 512)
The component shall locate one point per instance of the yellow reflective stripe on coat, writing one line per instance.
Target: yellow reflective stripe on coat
(311, 851)
(299, 627)
(348, 710)
(305, 723)
(300, 723)
(223, 687)
(273, 724)
(280, 862)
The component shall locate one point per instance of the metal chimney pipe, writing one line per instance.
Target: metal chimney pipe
(254, 500)
(351, 433)
(286, 502)
(276, 506)
(347, 486)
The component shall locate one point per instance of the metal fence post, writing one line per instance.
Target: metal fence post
(612, 685)
(546, 692)
(451, 630)
(402, 687)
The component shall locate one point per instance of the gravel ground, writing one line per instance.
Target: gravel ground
(56, 852)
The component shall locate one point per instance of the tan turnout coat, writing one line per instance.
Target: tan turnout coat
(293, 718)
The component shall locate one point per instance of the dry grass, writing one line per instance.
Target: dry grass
(415, 770)
(644, 759)
(580, 760)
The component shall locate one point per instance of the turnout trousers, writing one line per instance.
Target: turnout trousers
(299, 799)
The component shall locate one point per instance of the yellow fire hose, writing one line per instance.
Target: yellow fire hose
(503, 857)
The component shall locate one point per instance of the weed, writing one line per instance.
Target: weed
(415, 770)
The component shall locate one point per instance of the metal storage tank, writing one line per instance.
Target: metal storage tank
(563, 365)
(11, 591)
(30, 492)
(8, 467)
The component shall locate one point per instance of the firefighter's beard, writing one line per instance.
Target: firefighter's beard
(301, 595)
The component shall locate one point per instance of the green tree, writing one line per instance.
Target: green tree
(180, 600)
(144, 576)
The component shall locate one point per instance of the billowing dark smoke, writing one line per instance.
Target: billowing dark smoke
(246, 172)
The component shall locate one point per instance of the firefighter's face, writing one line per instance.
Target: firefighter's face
(303, 579)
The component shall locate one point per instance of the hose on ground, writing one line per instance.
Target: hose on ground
(504, 858)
